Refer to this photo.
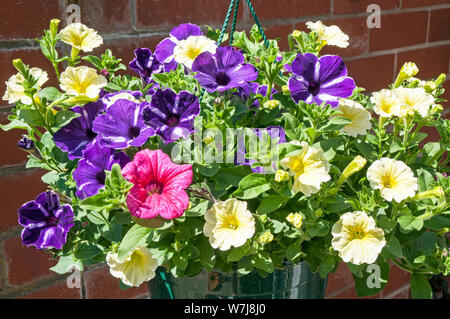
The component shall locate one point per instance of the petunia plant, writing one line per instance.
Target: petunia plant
(235, 156)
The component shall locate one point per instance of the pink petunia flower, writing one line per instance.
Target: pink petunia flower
(159, 185)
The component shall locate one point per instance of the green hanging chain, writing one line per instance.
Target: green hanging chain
(266, 42)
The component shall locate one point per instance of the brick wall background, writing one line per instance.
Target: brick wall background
(411, 30)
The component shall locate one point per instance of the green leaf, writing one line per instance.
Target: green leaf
(64, 117)
(251, 186)
(394, 247)
(94, 60)
(319, 228)
(207, 256)
(87, 251)
(409, 223)
(420, 287)
(237, 253)
(294, 252)
(270, 203)
(15, 124)
(49, 93)
(31, 117)
(135, 237)
(437, 222)
(180, 261)
(263, 261)
(327, 265)
(64, 265)
(336, 123)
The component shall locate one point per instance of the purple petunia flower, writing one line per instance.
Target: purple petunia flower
(164, 50)
(223, 70)
(46, 222)
(145, 64)
(122, 125)
(172, 115)
(90, 173)
(274, 132)
(318, 80)
(25, 143)
(75, 136)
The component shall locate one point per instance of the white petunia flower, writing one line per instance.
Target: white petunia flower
(228, 224)
(387, 103)
(359, 116)
(393, 178)
(187, 50)
(310, 169)
(357, 239)
(15, 90)
(82, 81)
(415, 99)
(137, 268)
(332, 35)
(81, 37)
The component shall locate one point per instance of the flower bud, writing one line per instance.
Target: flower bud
(437, 192)
(18, 64)
(263, 218)
(295, 219)
(54, 26)
(285, 90)
(441, 79)
(208, 139)
(25, 143)
(429, 86)
(409, 69)
(266, 237)
(271, 104)
(318, 213)
(281, 176)
(296, 34)
(437, 108)
(355, 166)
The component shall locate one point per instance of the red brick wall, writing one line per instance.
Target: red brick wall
(411, 30)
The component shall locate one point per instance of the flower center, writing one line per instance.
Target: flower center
(222, 78)
(173, 120)
(101, 177)
(154, 188)
(91, 134)
(314, 87)
(388, 182)
(232, 222)
(134, 132)
(52, 220)
(193, 52)
(358, 233)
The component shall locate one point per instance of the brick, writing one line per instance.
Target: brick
(439, 25)
(100, 284)
(399, 30)
(422, 3)
(56, 291)
(397, 278)
(26, 19)
(358, 33)
(279, 31)
(106, 16)
(431, 61)
(340, 279)
(11, 154)
(283, 9)
(32, 57)
(165, 13)
(402, 293)
(352, 6)
(16, 190)
(26, 264)
(372, 73)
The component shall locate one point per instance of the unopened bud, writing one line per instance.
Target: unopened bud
(281, 176)
(18, 64)
(441, 79)
(54, 26)
(429, 86)
(355, 166)
(25, 143)
(263, 218)
(296, 33)
(409, 69)
(437, 192)
(271, 104)
(285, 90)
(266, 237)
(295, 219)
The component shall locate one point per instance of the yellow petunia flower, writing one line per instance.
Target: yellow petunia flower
(82, 81)
(332, 35)
(357, 239)
(415, 100)
(15, 90)
(295, 219)
(359, 116)
(393, 178)
(228, 223)
(187, 50)
(137, 268)
(309, 167)
(387, 103)
(80, 37)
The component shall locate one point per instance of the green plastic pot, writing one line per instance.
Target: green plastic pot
(291, 282)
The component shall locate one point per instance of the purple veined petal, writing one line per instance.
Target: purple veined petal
(205, 63)
(339, 89)
(227, 57)
(207, 81)
(298, 88)
(52, 237)
(145, 134)
(242, 74)
(164, 50)
(305, 65)
(65, 217)
(31, 236)
(32, 213)
(170, 66)
(331, 67)
(185, 30)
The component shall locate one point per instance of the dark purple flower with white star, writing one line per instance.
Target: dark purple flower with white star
(145, 64)
(75, 136)
(110, 98)
(223, 70)
(90, 174)
(318, 80)
(164, 50)
(172, 115)
(275, 133)
(122, 125)
(25, 143)
(46, 222)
